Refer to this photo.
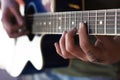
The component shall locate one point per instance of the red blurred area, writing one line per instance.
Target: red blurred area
(20, 1)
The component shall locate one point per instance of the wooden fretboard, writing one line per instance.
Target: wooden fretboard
(100, 22)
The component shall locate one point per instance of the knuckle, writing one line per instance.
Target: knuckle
(21, 23)
(3, 19)
(70, 49)
(68, 35)
(10, 31)
(97, 60)
(10, 36)
(61, 41)
(84, 45)
(65, 56)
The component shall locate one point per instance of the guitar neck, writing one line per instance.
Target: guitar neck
(99, 22)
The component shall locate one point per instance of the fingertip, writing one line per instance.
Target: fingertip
(57, 47)
(74, 30)
(82, 25)
(55, 44)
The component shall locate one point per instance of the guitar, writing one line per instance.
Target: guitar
(100, 22)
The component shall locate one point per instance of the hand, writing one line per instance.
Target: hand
(12, 20)
(106, 49)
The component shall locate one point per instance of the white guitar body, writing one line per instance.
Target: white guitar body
(14, 56)
(30, 51)
(17, 53)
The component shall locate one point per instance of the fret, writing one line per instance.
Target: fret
(96, 30)
(78, 19)
(75, 19)
(60, 25)
(105, 22)
(110, 21)
(66, 25)
(118, 21)
(54, 22)
(72, 20)
(63, 23)
(36, 22)
(85, 17)
(33, 23)
(68, 21)
(45, 24)
(42, 28)
(51, 23)
(100, 22)
(57, 22)
(88, 30)
(92, 22)
(81, 17)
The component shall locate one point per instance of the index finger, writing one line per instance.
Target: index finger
(92, 52)
(84, 38)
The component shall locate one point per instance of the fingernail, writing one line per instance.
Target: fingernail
(80, 25)
(74, 29)
(55, 43)
(64, 33)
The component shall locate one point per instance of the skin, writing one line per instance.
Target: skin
(106, 49)
(12, 20)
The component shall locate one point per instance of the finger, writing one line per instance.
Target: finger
(84, 38)
(65, 54)
(18, 16)
(13, 30)
(58, 50)
(62, 43)
(15, 35)
(71, 47)
(90, 50)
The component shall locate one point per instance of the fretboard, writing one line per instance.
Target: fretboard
(99, 22)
